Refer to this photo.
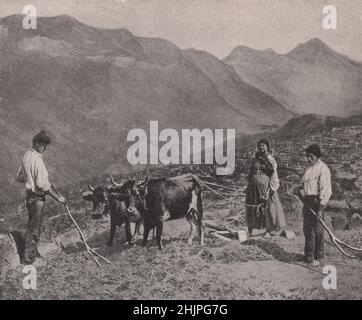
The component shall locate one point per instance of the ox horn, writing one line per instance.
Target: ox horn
(114, 182)
(90, 188)
(146, 180)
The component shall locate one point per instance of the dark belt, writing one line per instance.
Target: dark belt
(311, 197)
(34, 196)
(312, 201)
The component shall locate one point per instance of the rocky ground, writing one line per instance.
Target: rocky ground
(256, 269)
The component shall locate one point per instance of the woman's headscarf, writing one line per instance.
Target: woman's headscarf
(264, 141)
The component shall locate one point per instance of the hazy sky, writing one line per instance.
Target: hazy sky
(216, 26)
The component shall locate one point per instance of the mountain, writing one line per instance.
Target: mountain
(298, 130)
(312, 78)
(89, 86)
(238, 94)
(311, 123)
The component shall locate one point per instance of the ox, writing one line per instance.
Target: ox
(170, 198)
(114, 200)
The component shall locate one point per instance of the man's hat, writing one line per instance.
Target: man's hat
(314, 149)
(42, 137)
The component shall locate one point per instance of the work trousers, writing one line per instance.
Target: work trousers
(313, 230)
(35, 206)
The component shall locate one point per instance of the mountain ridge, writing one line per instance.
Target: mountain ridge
(90, 86)
(312, 123)
(311, 78)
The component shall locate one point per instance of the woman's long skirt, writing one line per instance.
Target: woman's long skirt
(275, 218)
(270, 216)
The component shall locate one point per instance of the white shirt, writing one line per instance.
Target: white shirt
(34, 172)
(317, 181)
(274, 179)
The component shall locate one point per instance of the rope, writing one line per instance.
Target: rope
(234, 194)
(205, 184)
(253, 205)
(221, 186)
(199, 181)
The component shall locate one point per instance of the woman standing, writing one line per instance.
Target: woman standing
(263, 207)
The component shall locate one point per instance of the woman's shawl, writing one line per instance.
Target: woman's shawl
(274, 179)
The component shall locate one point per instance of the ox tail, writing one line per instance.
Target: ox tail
(197, 212)
(200, 218)
(199, 205)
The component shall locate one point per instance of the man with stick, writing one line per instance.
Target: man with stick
(35, 177)
(315, 193)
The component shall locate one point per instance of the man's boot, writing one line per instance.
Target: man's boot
(31, 252)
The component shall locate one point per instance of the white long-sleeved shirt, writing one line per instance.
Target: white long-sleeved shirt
(35, 173)
(274, 179)
(317, 181)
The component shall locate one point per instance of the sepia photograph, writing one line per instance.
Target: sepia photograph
(194, 151)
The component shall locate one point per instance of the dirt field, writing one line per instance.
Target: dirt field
(256, 269)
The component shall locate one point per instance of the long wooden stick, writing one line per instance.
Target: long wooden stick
(217, 235)
(89, 249)
(334, 239)
(218, 228)
(92, 252)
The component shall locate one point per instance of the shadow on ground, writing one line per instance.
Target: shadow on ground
(276, 251)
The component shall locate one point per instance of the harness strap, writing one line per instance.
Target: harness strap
(123, 206)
